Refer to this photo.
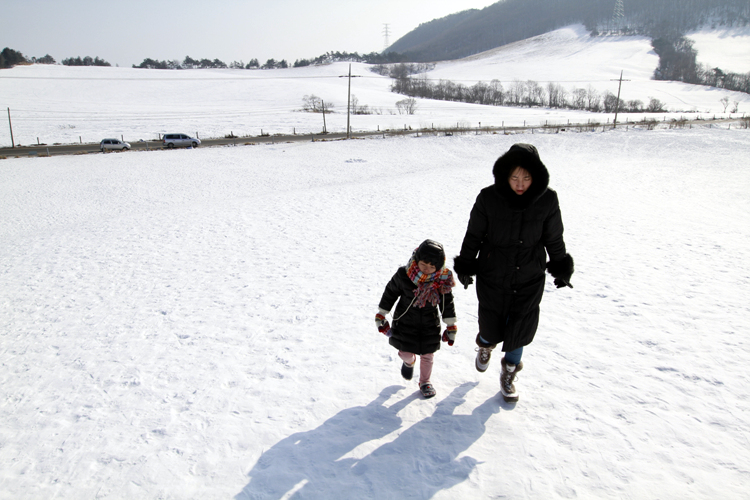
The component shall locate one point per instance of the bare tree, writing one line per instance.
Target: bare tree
(655, 105)
(593, 98)
(534, 94)
(517, 92)
(610, 102)
(579, 98)
(314, 104)
(407, 106)
(725, 102)
(497, 93)
(635, 106)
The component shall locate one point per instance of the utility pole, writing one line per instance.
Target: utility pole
(323, 107)
(617, 103)
(12, 142)
(349, 100)
(348, 104)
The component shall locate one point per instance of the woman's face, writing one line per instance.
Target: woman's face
(519, 180)
(426, 268)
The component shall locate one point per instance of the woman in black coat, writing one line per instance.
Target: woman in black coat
(513, 226)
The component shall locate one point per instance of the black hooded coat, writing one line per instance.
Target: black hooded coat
(505, 245)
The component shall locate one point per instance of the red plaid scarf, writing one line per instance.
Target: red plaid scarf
(429, 286)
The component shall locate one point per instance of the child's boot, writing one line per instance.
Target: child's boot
(506, 380)
(484, 351)
(407, 371)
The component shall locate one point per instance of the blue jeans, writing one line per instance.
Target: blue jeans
(512, 357)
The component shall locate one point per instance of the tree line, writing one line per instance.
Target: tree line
(86, 61)
(10, 58)
(677, 62)
(328, 57)
(523, 93)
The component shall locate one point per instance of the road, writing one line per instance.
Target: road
(77, 149)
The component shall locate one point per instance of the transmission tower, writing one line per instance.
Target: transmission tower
(386, 33)
(618, 17)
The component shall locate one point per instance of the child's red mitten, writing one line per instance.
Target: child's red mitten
(449, 335)
(383, 326)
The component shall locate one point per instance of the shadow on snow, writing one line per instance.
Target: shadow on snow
(418, 463)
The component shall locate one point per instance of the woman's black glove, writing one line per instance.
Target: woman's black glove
(465, 280)
(561, 270)
(465, 269)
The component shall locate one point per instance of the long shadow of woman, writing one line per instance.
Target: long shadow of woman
(420, 462)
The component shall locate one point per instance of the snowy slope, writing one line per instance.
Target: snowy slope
(199, 324)
(727, 48)
(573, 59)
(138, 104)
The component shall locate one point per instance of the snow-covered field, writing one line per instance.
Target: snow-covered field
(199, 323)
(727, 48)
(60, 104)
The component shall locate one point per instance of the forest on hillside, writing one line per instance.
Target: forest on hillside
(474, 31)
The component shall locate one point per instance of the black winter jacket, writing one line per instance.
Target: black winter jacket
(415, 329)
(505, 245)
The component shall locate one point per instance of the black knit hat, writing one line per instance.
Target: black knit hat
(432, 252)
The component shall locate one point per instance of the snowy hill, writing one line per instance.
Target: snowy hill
(728, 49)
(141, 104)
(572, 58)
(199, 323)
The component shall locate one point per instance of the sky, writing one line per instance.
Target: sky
(230, 30)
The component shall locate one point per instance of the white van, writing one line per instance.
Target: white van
(180, 141)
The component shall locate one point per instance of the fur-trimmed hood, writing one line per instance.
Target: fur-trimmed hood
(526, 156)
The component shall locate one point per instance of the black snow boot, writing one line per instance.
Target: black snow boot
(407, 371)
(506, 381)
(484, 352)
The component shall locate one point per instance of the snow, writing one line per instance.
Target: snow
(138, 104)
(199, 323)
(727, 48)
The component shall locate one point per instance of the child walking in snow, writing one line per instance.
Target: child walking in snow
(423, 290)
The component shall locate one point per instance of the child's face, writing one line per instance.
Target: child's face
(426, 267)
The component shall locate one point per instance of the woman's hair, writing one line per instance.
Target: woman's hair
(515, 169)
